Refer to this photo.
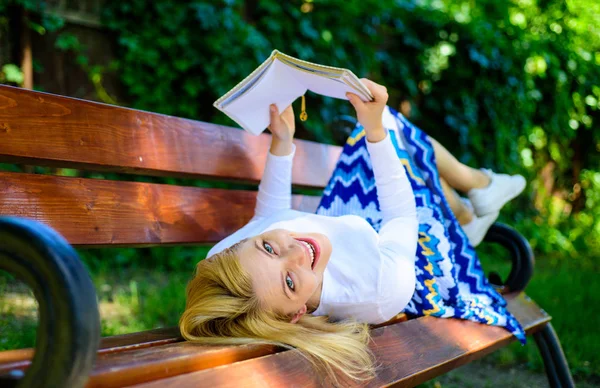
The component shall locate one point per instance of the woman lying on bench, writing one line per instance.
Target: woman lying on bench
(315, 281)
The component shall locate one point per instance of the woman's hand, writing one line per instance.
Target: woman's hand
(282, 127)
(369, 113)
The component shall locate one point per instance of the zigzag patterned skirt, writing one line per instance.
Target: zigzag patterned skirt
(450, 280)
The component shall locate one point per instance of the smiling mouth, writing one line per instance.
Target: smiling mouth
(312, 251)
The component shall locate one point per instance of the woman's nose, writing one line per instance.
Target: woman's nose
(296, 255)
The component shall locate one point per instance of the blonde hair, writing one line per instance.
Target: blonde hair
(222, 309)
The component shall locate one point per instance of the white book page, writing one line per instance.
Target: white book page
(244, 84)
(329, 87)
(351, 79)
(278, 86)
(236, 92)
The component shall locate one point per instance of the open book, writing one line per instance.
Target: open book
(280, 80)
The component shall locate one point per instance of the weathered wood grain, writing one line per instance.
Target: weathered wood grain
(151, 363)
(49, 130)
(410, 353)
(21, 358)
(94, 212)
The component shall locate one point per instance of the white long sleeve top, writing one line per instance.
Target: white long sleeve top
(370, 276)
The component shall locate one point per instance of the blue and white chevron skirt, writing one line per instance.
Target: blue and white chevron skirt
(450, 280)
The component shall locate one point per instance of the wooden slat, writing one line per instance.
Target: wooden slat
(410, 353)
(144, 339)
(45, 129)
(15, 359)
(148, 364)
(95, 212)
(21, 358)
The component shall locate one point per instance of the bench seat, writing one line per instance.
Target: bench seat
(160, 358)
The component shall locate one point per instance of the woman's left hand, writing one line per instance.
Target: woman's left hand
(369, 113)
(283, 128)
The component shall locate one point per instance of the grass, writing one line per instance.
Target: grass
(148, 300)
(485, 373)
(18, 314)
(139, 294)
(569, 291)
(141, 298)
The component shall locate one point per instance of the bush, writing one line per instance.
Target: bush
(514, 86)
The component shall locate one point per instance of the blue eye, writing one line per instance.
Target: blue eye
(289, 282)
(268, 247)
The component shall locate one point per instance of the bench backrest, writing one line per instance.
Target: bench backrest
(48, 130)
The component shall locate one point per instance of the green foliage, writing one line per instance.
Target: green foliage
(129, 300)
(17, 320)
(567, 290)
(175, 258)
(11, 73)
(514, 86)
(569, 300)
(48, 22)
(70, 43)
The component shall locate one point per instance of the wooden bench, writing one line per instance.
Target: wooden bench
(48, 130)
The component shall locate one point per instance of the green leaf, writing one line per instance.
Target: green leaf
(12, 73)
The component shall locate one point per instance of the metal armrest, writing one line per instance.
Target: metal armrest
(68, 335)
(520, 253)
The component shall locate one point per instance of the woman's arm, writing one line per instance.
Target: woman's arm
(398, 235)
(395, 195)
(275, 189)
(394, 192)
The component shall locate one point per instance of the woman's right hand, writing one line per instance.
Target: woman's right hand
(282, 128)
(369, 114)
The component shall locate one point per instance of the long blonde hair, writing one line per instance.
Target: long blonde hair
(222, 309)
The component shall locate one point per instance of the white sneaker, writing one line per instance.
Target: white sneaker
(468, 204)
(478, 227)
(501, 189)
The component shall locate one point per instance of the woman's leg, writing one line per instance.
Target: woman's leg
(463, 214)
(459, 176)
(474, 227)
(487, 191)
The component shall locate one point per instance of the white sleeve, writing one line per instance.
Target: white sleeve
(275, 189)
(399, 232)
(395, 195)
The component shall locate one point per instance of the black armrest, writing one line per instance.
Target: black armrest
(68, 334)
(520, 252)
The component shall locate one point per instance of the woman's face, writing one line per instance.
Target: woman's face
(284, 275)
